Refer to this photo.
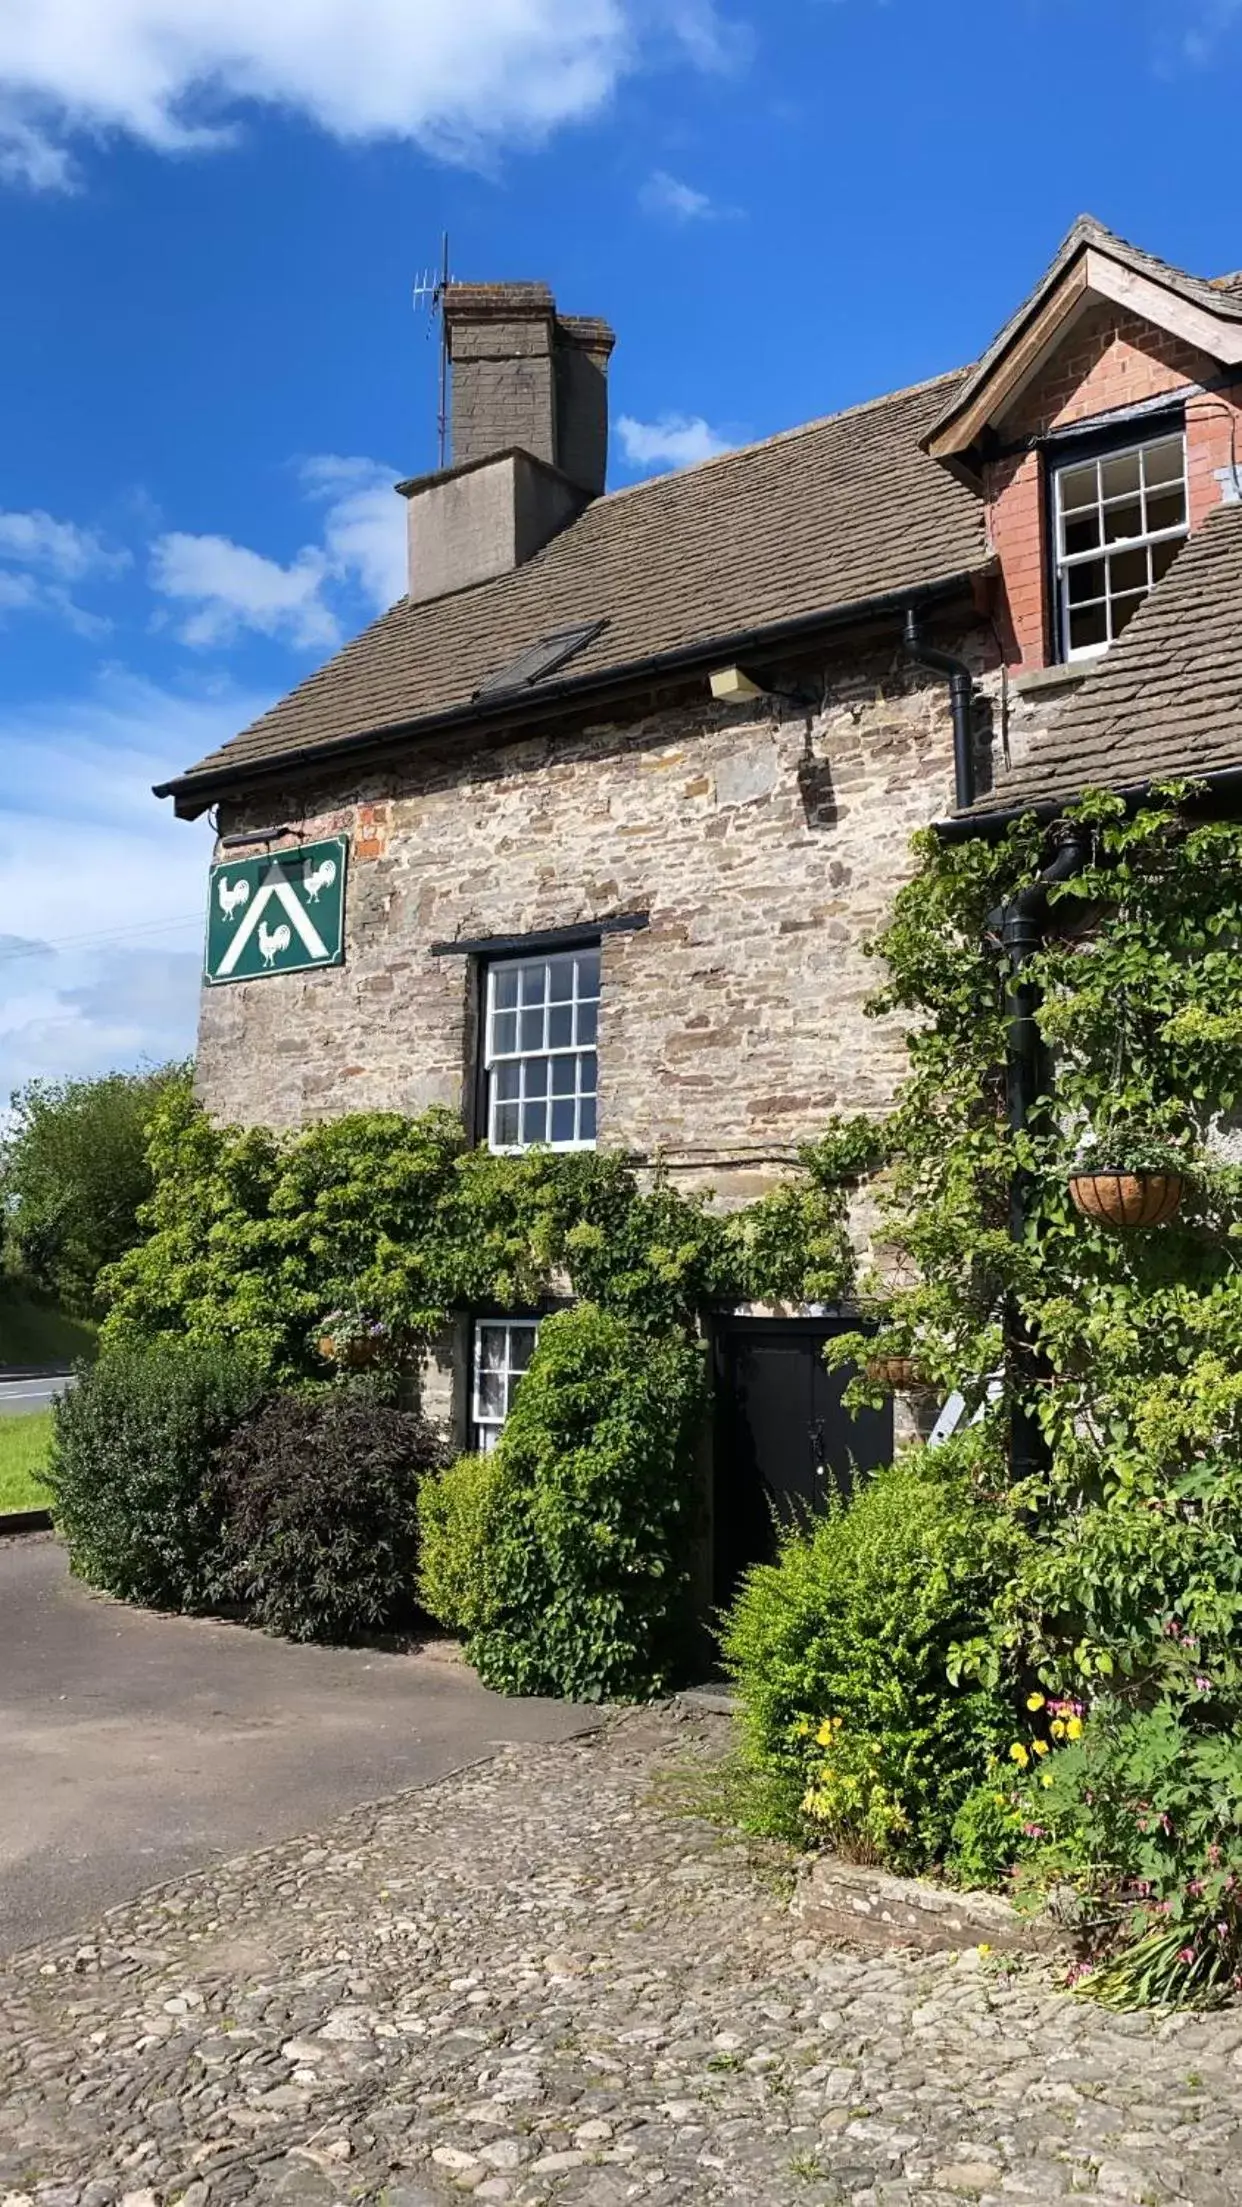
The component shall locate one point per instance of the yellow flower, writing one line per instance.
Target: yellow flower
(1073, 1729)
(999, 1799)
(1035, 1701)
(1040, 1746)
(1047, 1778)
(1057, 1728)
(827, 1732)
(984, 1949)
(1018, 1755)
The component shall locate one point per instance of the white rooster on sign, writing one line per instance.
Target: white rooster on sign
(232, 898)
(272, 940)
(318, 877)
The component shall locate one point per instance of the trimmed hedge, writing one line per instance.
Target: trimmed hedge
(132, 1470)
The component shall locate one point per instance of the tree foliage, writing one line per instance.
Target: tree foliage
(74, 1174)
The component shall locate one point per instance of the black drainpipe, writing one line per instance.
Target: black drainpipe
(1021, 925)
(961, 699)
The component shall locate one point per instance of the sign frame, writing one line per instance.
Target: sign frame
(269, 882)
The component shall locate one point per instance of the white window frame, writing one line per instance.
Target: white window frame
(1063, 563)
(486, 1427)
(582, 1054)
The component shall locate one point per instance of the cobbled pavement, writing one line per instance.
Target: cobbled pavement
(534, 1982)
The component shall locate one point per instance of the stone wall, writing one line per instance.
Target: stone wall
(764, 851)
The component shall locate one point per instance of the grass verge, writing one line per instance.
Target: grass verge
(24, 1443)
(38, 1333)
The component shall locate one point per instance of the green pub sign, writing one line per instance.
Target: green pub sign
(280, 913)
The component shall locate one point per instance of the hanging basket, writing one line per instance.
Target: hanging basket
(1127, 1199)
(897, 1372)
(355, 1353)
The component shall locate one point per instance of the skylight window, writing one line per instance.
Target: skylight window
(540, 660)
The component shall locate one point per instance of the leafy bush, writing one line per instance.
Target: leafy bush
(74, 1174)
(587, 1591)
(320, 1495)
(459, 1522)
(131, 1469)
(843, 1651)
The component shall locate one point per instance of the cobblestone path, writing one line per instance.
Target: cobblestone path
(532, 1983)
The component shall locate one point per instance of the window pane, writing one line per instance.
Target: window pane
(1081, 533)
(535, 1120)
(505, 1126)
(1164, 462)
(489, 1344)
(588, 973)
(534, 981)
(588, 1022)
(504, 1034)
(1079, 486)
(1128, 570)
(504, 987)
(560, 979)
(586, 1121)
(1085, 582)
(1123, 521)
(1124, 610)
(507, 1081)
(530, 1029)
(560, 1026)
(563, 1118)
(563, 1076)
(536, 1071)
(1163, 556)
(1119, 475)
(521, 1346)
(1167, 510)
(489, 1395)
(1088, 627)
(588, 1075)
(485, 1439)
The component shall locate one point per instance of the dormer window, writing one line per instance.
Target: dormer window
(1119, 521)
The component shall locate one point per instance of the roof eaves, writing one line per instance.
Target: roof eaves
(193, 793)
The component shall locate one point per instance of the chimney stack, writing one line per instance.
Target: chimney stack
(529, 435)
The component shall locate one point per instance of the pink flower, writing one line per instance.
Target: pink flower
(1185, 1954)
(1204, 1685)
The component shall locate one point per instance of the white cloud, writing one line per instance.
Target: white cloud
(102, 891)
(40, 556)
(460, 80)
(674, 440)
(233, 588)
(663, 194)
(361, 556)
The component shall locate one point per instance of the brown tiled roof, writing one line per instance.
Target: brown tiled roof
(1166, 700)
(1221, 295)
(811, 522)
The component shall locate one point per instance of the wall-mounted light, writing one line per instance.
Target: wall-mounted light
(254, 835)
(733, 686)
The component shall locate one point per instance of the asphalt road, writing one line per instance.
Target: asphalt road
(18, 1397)
(137, 1747)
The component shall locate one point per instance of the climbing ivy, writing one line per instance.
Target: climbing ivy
(263, 1240)
(1126, 1347)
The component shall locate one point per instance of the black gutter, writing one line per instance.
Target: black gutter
(961, 700)
(1222, 782)
(506, 709)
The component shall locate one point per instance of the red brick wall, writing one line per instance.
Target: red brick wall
(1108, 360)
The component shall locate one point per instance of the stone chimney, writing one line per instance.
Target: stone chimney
(529, 435)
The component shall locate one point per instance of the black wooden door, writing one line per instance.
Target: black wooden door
(783, 1441)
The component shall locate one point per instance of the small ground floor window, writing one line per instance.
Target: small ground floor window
(503, 1348)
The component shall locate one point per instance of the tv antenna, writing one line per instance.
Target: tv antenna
(429, 290)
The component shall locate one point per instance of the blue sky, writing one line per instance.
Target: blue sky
(211, 218)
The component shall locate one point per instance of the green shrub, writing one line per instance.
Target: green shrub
(459, 1524)
(587, 1590)
(131, 1469)
(843, 1652)
(320, 1494)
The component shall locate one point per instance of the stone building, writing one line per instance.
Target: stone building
(624, 783)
